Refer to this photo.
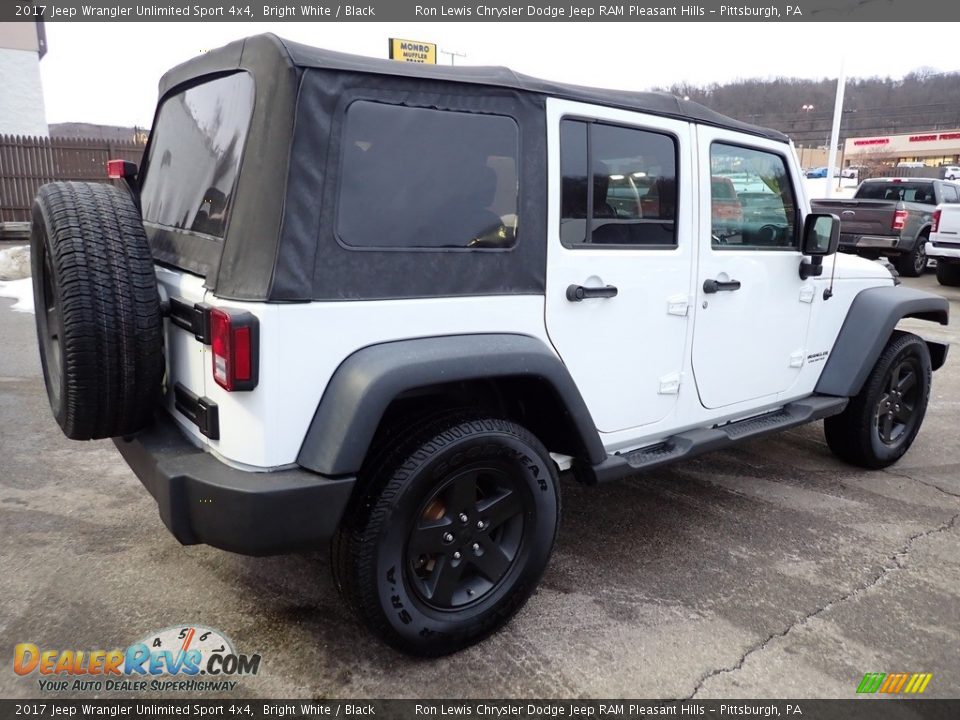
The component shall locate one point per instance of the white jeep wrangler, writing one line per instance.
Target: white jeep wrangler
(386, 304)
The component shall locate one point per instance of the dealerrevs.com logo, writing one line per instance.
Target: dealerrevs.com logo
(185, 658)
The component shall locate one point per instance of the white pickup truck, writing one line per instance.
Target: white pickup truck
(944, 243)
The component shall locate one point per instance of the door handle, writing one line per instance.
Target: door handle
(576, 293)
(712, 286)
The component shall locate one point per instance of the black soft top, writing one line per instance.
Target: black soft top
(274, 56)
(281, 244)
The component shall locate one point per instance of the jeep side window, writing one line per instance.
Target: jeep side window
(195, 155)
(950, 194)
(619, 186)
(418, 178)
(752, 203)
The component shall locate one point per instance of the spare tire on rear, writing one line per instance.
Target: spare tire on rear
(97, 309)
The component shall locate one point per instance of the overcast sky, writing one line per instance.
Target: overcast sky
(108, 72)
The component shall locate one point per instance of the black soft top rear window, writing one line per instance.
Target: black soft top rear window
(195, 153)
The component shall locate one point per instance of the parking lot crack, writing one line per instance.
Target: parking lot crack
(891, 564)
(922, 482)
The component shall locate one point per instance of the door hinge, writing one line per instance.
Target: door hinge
(796, 359)
(806, 293)
(192, 317)
(670, 384)
(678, 305)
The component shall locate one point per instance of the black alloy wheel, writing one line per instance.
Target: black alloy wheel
(896, 410)
(50, 327)
(467, 537)
(450, 532)
(883, 419)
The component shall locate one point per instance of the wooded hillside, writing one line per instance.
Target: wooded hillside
(922, 100)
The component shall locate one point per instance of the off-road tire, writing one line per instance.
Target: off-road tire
(948, 273)
(371, 548)
(913, 263)
(97, 309)
(855, 435)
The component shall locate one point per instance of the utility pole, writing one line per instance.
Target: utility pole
(835, 131)
(453, 55)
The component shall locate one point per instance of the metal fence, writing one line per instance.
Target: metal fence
(26, 163)
(903, 172)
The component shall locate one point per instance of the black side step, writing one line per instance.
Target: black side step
(695, 442)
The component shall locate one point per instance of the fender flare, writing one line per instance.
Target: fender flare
(363, 386)
(920, 234)
(871, 319)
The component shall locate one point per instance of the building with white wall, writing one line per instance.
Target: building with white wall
(22, 45)
(933, 148)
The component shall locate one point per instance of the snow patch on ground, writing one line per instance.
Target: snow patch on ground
(15, 279)
(14, 262)
(21, 291)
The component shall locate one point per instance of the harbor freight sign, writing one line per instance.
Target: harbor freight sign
(414, 51)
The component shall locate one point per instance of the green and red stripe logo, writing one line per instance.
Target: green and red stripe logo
(894, 683)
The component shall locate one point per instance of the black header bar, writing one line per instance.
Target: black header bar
(853, 709)
(639, 11)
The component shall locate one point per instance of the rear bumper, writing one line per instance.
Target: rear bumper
(202, 500)
(943, 250)
(878, 242)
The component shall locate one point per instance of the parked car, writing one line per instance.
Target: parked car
(408, 377)
(726, 212)
(944, 244)
(951, 172)
(821, 172)
(889, 217)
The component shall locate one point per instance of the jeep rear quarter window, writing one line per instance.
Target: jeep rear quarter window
(418, 178)
(194, 155)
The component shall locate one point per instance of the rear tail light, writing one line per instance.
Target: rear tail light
(121, 169)
(234, 345)
(899, 219)
(935, 227)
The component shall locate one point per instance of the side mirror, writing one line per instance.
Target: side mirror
(821, 236)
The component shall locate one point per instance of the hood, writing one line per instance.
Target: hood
(853, 267)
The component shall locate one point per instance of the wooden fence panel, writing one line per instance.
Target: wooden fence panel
(26, 163)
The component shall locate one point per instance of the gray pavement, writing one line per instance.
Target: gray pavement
(770, 570)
